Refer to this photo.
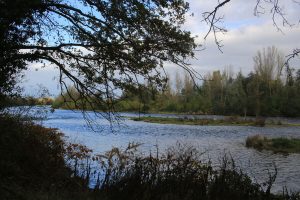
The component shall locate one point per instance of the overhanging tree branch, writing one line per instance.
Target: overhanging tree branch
(212, 20)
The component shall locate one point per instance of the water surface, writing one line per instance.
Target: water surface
(214, 140)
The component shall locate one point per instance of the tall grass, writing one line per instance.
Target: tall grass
(277, 145)
(178, 174)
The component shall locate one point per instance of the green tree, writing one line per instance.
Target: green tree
(216, 88)
(268, 65)
(290, 96)
(236, 102)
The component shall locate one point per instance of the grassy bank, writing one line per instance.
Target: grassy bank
(37, 164)
(195, 121)
(277, 145)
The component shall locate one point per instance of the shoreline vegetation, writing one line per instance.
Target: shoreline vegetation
(36, 163)
(194, 121)
(276, 145)
(232, 121)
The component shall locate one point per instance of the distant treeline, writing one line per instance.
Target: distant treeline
(269, 90)
(26, 101)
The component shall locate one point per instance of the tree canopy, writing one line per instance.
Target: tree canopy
(101, 46)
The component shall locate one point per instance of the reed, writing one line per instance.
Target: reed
(277, 145)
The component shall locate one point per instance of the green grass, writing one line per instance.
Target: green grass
(277, 145)
(187, 121)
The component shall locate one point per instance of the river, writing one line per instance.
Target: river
(214, 140)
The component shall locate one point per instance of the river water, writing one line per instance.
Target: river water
(214, 140)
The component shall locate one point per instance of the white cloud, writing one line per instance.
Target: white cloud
(246, 34)
(241, 44)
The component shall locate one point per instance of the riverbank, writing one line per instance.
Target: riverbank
(211, 120)
(232, 121)
(172, 113)
(276, 145)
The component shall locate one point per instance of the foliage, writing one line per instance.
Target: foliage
(202, 121)
(32, 162)
(29, 101)
(177, 174)
(99, 46)
(18, 22)
(267, 91)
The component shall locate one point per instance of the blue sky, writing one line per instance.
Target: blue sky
(246, 35)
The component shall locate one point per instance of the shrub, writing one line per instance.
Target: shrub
(33, 163)
(178, 174)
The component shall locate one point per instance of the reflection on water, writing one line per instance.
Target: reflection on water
(214, 140)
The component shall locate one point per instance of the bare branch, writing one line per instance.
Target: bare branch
(296, 53)
(212, 20)
(276, 11)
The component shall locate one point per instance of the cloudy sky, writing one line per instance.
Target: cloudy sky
(246, 35)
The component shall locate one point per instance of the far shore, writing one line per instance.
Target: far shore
(182, 119)
(227, 121)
